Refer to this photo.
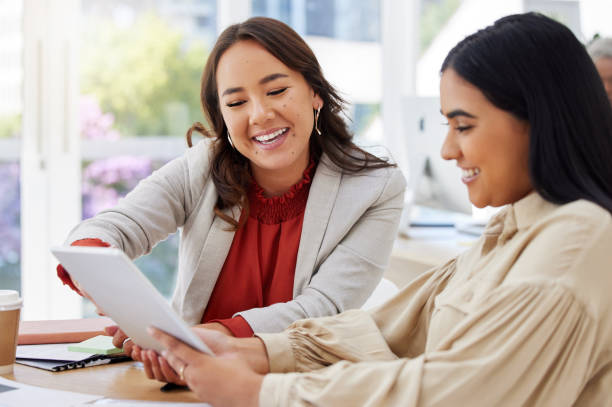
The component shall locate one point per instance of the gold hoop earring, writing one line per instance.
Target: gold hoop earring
(229, 139)
(317, 120)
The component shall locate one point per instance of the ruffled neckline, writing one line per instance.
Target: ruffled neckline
(277, 209)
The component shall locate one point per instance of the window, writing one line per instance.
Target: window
(345, 37)
(320, 18)
(10, 229)
(11, 73)
(351, 20)
(140, 75)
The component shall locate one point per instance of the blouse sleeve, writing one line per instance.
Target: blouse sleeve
(527, 345)
(359, 335)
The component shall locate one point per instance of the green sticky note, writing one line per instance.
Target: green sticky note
(101, 345)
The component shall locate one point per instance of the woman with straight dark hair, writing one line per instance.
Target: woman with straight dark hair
(282, 216)
(561, 98)
(523, 317)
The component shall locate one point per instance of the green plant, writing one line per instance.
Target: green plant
(146, 75)
(10, 125)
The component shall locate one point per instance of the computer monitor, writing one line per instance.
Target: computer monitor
(433, 181)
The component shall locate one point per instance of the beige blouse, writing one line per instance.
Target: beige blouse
(524, 317)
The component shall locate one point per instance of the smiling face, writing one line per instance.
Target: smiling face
(269, 112)
(490, 145)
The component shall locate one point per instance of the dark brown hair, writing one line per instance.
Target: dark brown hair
(230, 171)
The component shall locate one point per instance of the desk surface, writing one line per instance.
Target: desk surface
(432, 246)
(423, 248)
(125, 380)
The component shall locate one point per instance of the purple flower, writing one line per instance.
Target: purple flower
(10, 209)
(96, 125)
(105, 181)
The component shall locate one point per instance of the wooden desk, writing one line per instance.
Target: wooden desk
(125, 380)
(422, 249)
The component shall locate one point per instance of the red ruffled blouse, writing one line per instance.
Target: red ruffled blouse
(260, 266)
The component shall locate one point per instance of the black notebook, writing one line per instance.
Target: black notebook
(56, 357)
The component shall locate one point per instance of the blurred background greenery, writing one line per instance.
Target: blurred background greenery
(147, 75)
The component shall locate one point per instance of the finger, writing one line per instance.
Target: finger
(119, 338)
(167, 372)
(155, 367)
(128, 344)
(111, 329)
(174, 364)
(136, 353)
(170, 373)
(173, 345)
(146, 363)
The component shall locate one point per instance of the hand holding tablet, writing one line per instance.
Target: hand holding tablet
(116, 285)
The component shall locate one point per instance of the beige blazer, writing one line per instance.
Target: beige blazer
(350, 224)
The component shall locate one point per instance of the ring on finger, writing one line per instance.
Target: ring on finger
(182, 371)
(125, 341)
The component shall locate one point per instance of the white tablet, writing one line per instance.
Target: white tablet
(114, 282)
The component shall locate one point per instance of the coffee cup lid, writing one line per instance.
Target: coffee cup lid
(9, 298)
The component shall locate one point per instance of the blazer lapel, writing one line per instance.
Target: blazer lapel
(321, 198)
(209, 266)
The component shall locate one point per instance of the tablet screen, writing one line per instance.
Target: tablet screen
(118, 287)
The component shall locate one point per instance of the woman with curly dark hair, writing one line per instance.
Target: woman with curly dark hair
(282, 216)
